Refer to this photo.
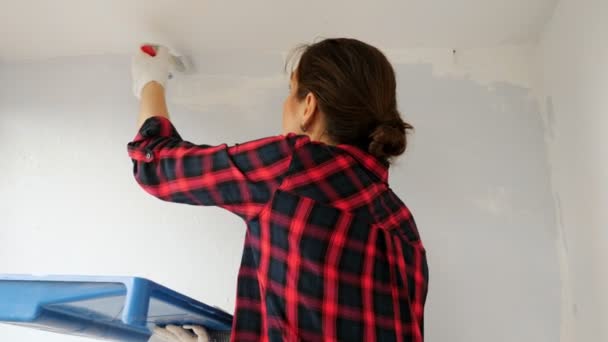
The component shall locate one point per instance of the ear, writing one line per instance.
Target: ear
(310, 110)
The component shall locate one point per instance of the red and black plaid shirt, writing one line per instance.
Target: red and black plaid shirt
(330, 253)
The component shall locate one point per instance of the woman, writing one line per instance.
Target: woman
(331, 253)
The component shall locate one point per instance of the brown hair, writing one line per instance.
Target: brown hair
(355, 88)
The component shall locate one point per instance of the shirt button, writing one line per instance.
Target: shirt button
(149, 155)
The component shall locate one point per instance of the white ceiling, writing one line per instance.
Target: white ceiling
(43, 29)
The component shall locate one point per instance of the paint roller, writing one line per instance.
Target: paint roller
(178, 63)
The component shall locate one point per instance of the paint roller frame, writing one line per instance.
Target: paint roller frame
(179, 63)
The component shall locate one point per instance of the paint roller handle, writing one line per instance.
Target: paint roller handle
(149, 49)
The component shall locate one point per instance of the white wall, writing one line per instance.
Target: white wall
(475, 179)
(573, 65)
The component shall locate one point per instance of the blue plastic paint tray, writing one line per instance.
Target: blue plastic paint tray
(114, 308)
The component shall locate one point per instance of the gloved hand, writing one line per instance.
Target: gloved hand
(146, 68)
(187, 333)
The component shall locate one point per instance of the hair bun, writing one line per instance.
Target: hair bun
(388, 139)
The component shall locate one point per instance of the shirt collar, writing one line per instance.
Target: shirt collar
(373, 164)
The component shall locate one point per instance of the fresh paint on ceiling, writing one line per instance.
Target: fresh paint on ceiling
(34, 29)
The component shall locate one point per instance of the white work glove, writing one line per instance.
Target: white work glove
(145, 68)
(187, 333)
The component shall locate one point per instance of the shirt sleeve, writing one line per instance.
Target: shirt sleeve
(241, 178)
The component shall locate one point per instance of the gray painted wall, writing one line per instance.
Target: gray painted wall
(475, 178)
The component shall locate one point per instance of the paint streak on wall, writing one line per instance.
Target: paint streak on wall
(505, 64)
(241, 85)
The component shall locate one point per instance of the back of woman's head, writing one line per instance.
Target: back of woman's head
(355, 88)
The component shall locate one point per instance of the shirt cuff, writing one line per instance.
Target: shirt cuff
(141, 148)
